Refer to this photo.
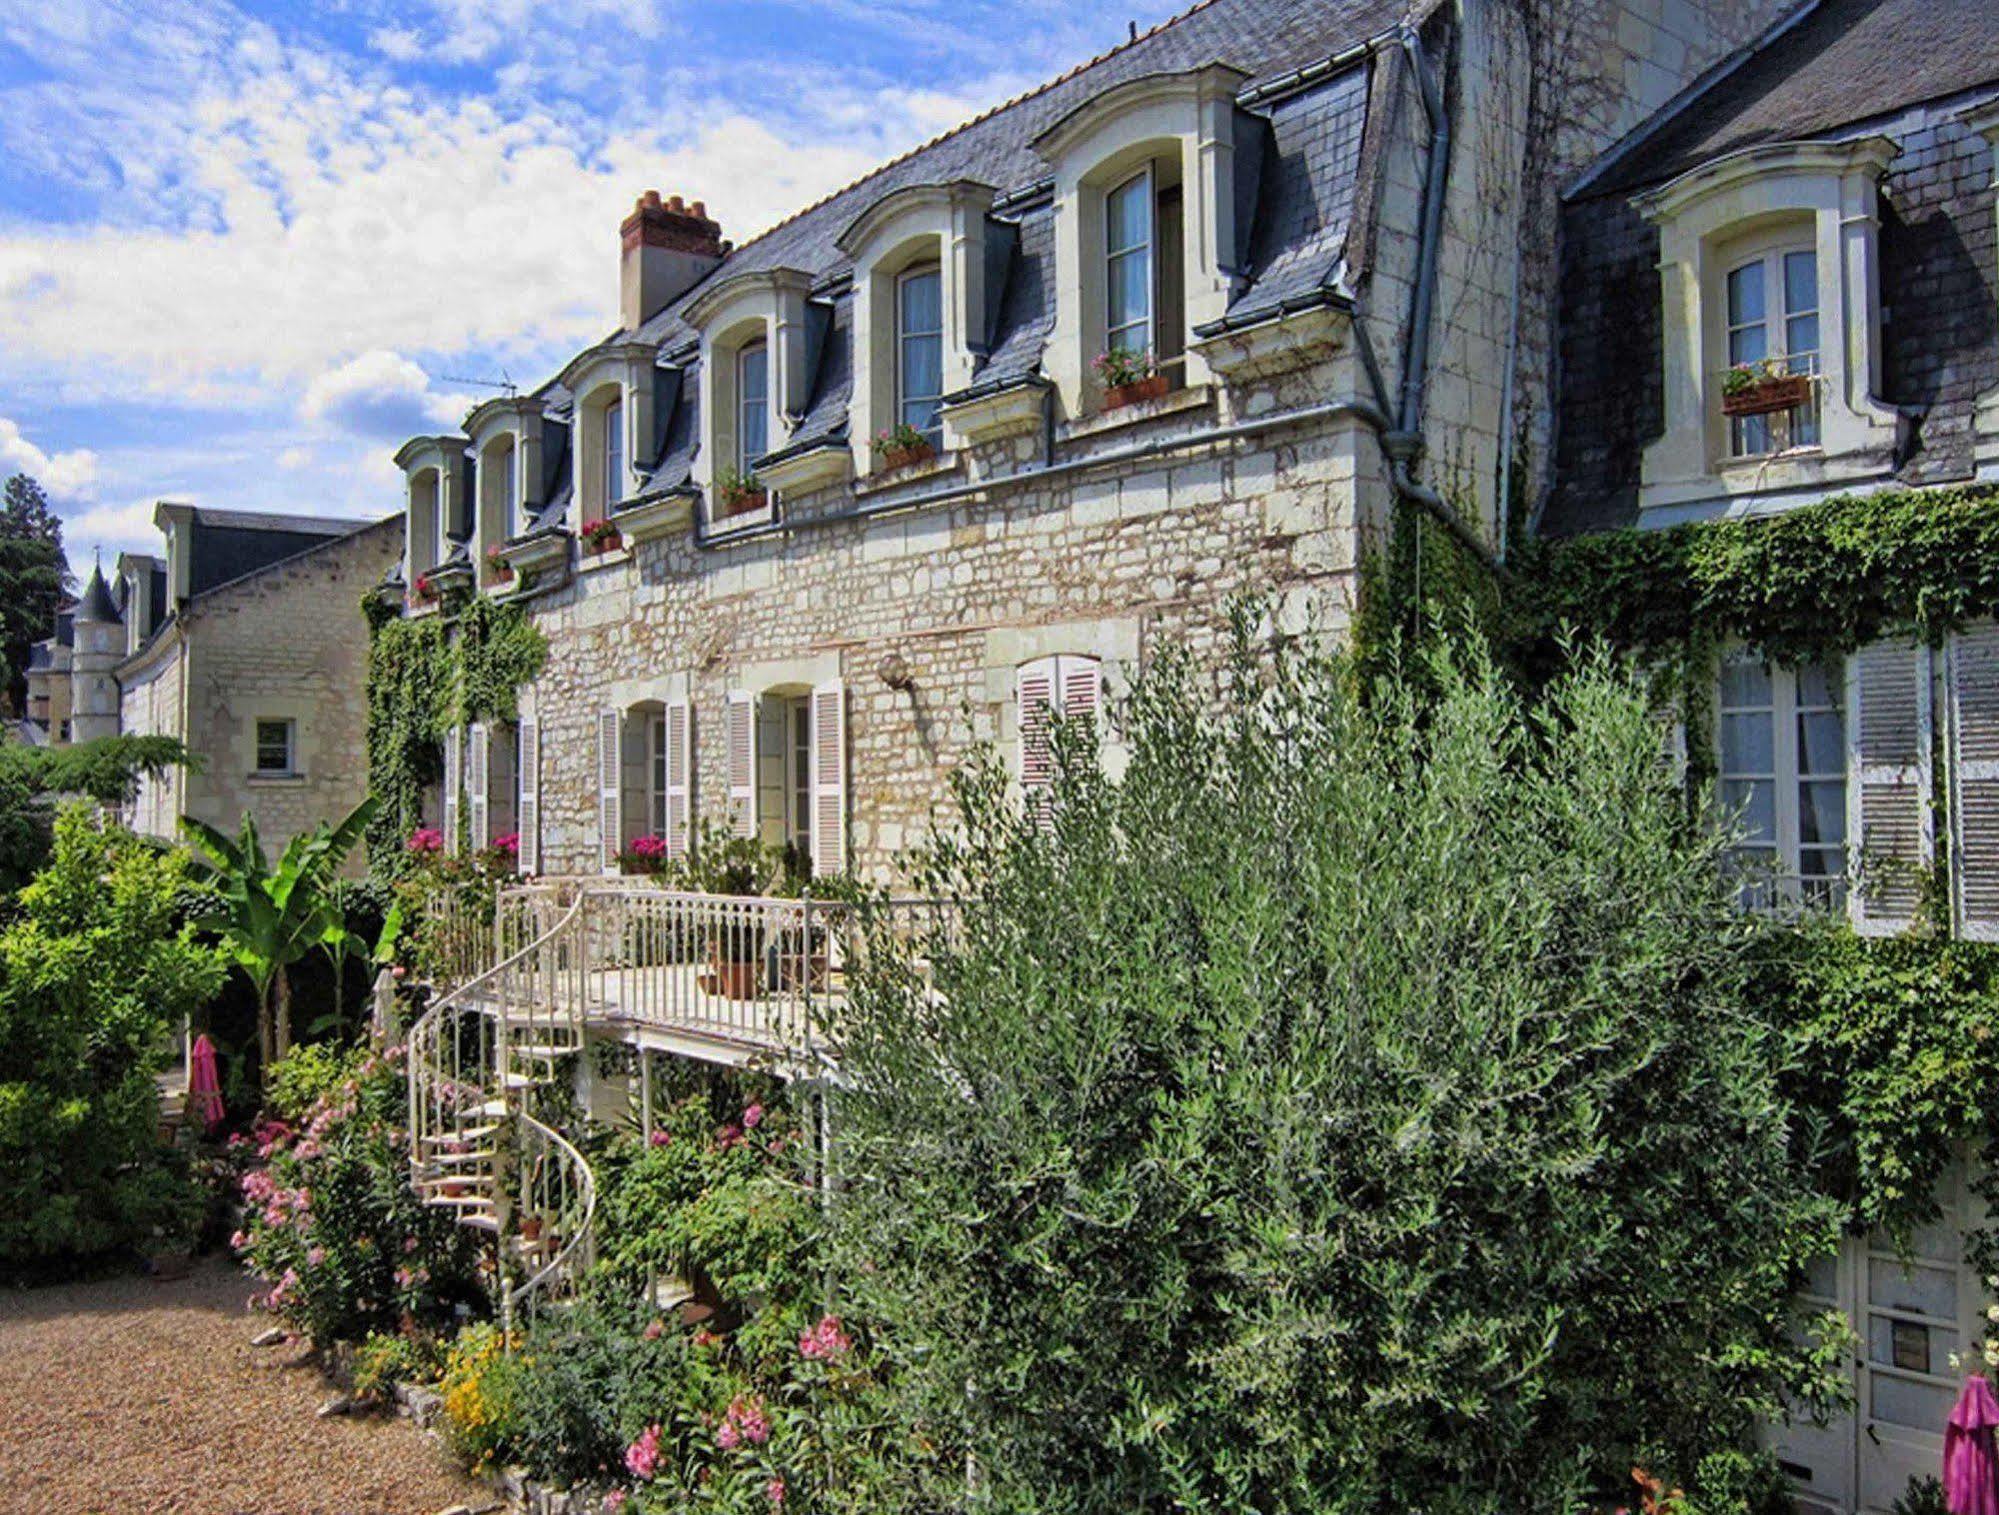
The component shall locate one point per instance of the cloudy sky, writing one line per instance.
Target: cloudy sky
(246, 249)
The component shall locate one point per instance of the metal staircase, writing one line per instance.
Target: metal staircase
(485, 1064)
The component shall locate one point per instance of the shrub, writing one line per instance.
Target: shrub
(97, 972)
(1360, 1104)
(387, 1358)
(481, 1419)
(345, 1244)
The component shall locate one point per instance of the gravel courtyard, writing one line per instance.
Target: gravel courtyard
(126, 1395)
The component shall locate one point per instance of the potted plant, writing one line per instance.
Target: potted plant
(901, 445)
(1764, 387)
(423, 589)
(646, 856)
(737, 493)
(1129, 377)
(601, 536)
(497, 564)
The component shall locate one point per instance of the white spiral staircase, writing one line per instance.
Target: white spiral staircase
(481, 1057)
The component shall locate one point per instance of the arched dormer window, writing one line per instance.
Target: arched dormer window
(1145, 224)
(438, 507)
(755, 372)
(508, 448)
(615, 418)
(920, 309)
(1770, 326)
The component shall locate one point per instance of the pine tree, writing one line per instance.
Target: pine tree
(34, 578)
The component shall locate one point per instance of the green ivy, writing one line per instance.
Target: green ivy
(425, 676)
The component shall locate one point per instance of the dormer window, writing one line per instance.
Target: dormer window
(752, 404)
(614, 456)
(1128, 244)
(919, 344)
(1773, 332)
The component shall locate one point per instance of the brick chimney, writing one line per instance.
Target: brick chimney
(668, 248)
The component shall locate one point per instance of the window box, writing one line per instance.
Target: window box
(1151, 387)
(601, 536)
(497, 567)
(741, 501)
(907, 454)
(1764, 394)
(423, 591)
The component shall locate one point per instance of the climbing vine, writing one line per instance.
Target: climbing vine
(426, 676)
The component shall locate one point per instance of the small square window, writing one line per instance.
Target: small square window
(274, 747)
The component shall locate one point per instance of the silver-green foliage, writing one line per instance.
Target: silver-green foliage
(1355, 1106)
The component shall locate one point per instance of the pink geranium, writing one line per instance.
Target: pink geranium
(508, 844)
(774, 1491)
(825, 1341)
(425, 841)
(753, 1117)
(642, 1456)
(745, 1424)
(651, 848)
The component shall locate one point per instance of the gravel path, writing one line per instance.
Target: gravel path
(127, 1395)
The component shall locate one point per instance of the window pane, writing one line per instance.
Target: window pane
(1130, 299)
(1822, 685)
(1748, 744)
(753, 409)
(922, 303)
(1748, 344)
(1918, 1289)
(1745, 294)
(921, 415)
(752, 437)
(1822, 813)
(614, 452)
(1821, 742)
(1902, 1402)
(1128, 215)
(922, 368)
(1753, 805)
(1801, 283)
(1745, 682)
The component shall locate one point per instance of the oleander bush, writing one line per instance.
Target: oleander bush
(98, 968)
(1358, 1104)
(341, 1239)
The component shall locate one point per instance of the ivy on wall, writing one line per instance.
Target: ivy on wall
(426, 676)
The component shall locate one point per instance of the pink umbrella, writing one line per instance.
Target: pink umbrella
(204, 1088)
(1970, 1466)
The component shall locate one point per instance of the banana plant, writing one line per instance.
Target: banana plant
(269, 917)
(340, 943)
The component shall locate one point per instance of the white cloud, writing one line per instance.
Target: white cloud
(126, 527)
(65, 475)
(296, 459)
(398, 43)
(379, 394)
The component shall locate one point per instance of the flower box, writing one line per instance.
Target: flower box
(601, 536)
(903, 457)
(1137, 392)
(501, 572)
(1765, 395)
(740, 502)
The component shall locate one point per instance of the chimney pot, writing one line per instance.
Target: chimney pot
(669, 246)
(700, 210)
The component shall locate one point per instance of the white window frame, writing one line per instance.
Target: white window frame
(613, 441)
(1146, 249)
(798, 770)
(1786, 884)
(759, 350)
(656, 776)
(290, 726)
(1798, 427)
(904, 336)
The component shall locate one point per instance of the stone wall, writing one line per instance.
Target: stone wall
(286, 643)
(149, 704)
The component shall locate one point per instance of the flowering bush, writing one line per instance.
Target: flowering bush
(481, 1417)
(335, 1230)
(645, 855)
(508, 845)
(1122, 365)
(425, 842)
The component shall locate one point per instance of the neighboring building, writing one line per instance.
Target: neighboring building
(1823, 212)
(245, 640)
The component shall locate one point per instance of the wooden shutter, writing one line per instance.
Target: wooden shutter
(829, 778)
(1034, 691)
(1890, 836)
(610, 791)
(478, 768)
(529, 857)
(679, 777)
(1082, 687)
(452, 783)
(742, 764)
(1974, 755)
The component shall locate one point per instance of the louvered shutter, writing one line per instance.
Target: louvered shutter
(529, 857)
(829, 778)
(1889, 829)
(452, 781)
(1082, 688)
(610, 791)
(1034, 690)
(478, 768)
(679, 777)
(1974, 810)
(742, 764)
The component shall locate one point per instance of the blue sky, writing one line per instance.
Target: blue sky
(245, 249)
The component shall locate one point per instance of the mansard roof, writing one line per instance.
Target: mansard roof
(1824, 67)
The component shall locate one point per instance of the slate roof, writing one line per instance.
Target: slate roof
(228, 544)
(1829, 66)
(1297, 170)
(96, 604)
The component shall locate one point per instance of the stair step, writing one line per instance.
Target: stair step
(459, 1201)
(484, 1221)
(545, 1051)
(459, 1159)
(521, 1080)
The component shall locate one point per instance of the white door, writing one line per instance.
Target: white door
(1910, 1315)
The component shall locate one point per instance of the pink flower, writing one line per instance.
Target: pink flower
(728, 1136)
(774, 1491)
(825, 1341)
(425, 841)
(651, 848)
(615, 1500)
(753, 1117)
(314, 1256)
(654, 1330)
(239, 1242)
(728, 1438)
(404, 1278)
(660, 1138)
(642, 1456)
(508, 844)
(409, 1245)
(745, 1422)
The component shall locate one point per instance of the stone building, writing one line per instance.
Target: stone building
(245, 640)
(766, 609)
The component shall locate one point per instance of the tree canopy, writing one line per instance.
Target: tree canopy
(34, 576)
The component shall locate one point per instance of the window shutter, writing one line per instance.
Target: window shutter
(1974, 754)
(1035, 685)
(829, 778)
(679, 777)
(742, 764)
(610, 791)
(1082, 688)
(477, 768)
(1889, 830)
(529, 856)
(451, 789)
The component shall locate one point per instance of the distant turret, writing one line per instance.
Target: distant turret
(100, 643)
